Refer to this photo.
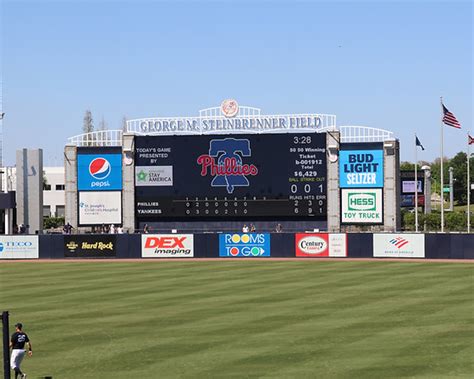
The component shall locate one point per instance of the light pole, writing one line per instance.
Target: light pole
(451, 192)
(427, 171)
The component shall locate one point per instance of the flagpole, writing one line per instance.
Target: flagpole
(442, 174)
(416, 188)
(468, 187)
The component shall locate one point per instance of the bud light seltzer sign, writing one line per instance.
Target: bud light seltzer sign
(361, 206)
(361, 168)
(99, 172)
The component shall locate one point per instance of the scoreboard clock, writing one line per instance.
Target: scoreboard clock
(230, 176)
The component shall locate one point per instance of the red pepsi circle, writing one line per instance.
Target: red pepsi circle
(100, 168)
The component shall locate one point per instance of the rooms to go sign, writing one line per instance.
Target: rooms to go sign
(361, 168)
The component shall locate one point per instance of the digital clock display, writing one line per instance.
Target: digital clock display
(223, 176)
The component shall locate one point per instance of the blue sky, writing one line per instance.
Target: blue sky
(380, 64)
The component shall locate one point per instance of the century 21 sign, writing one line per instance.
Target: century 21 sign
(361, 168)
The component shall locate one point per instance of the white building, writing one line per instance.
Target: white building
(53, 193)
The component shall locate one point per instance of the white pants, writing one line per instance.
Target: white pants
(17, 357)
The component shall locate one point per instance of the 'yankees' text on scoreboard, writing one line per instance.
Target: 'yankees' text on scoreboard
(223, 176)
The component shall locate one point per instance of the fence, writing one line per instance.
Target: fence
(223, 245)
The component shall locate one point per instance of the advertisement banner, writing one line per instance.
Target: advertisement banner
(99, 172)
(408, 186)
(409, 200)
(361, 206)
(244, 245)
(338, 245)
(361, 168)
(167, 245)
(153, 176)
(97, 208)
(19, 247)
(312, 245)
(89, 246)
(320, 245)
(399, 245)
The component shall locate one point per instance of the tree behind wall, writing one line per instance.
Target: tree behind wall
(124, 124)
(88, 127)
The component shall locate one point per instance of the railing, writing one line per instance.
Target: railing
(349, 133)
(98, 138)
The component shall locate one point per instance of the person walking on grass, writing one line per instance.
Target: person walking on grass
(17, 344)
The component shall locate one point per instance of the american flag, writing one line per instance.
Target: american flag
(470, 139)
(449, 119)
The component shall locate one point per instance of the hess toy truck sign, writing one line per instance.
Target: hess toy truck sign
(167, 245)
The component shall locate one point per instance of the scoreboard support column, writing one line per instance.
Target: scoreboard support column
(391, 193)
(70, 171)
(333, 193)
(128, 174)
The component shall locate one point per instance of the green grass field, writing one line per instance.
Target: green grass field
(243, 319)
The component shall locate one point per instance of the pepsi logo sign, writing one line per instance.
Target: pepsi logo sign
(313, 245)
(100, 168)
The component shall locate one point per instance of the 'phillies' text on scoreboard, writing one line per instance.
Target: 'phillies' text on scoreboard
(231, 175)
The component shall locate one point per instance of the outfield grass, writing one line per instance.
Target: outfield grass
(243, 319)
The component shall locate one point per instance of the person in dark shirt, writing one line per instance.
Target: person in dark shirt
(67, 229)
(17, 344)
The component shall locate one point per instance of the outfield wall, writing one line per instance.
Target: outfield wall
(230, 245)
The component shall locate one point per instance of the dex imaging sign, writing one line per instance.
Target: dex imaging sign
(361, 206)
(99, 172)
(167, 245)
(361, 168)
(399, 245)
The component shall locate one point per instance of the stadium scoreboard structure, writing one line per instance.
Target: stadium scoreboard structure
(222, 176)
(233, 164)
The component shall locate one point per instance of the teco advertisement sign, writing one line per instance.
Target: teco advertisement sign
(321, 245)
(89, 246)
(361, 168)
(244, 245)
(399, 245)
(19, 247)
(99, 172)
(97, 208)
(361, 206)
(167, 245)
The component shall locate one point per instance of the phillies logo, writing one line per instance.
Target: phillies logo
(100, 168)
(224, 162)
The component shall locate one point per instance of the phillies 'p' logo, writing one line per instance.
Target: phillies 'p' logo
(228, 169)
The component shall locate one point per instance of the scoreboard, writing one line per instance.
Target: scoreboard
(230, 176)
